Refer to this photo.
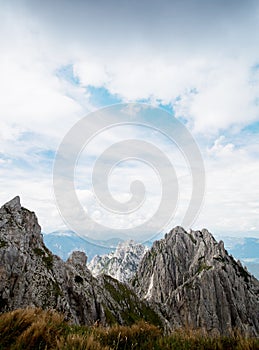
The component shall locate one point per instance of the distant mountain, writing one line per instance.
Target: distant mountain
(246, 250)
(120, 264)
(63, 243)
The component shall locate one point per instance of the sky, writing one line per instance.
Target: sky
(198, 60)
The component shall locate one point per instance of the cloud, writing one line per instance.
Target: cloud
(195, 55)
(231, 200)
(200, 57)
(225, 98)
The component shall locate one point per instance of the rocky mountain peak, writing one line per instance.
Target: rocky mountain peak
(30, 275)
(13, 205)
(120, 264)
(194, 281)
(19, 225)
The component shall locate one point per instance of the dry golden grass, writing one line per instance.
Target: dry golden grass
(137, 336)
(79, 342)
(46, 330)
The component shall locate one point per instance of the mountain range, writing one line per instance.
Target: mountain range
(63, 243)
(184, 279)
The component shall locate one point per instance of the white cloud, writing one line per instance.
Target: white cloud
(201, 58)
(219, 149)
(225, 98)
(91, 73)
(168, 65)
(231, 200)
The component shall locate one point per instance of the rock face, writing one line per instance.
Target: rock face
(30, 275)
(193, 281)
(121, 264)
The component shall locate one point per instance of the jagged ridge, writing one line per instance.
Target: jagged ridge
(30, 275)
(193, 281)
(121, 264)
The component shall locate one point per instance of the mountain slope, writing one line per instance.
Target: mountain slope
(121, 264)
(193, 281)
(30, 275)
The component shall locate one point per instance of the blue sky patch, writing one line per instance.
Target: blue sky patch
(101, 97)
(67, 73)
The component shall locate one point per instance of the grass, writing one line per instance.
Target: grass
(2, 243)
(35, 328)
(192, 238)
(46, 257)
(126, 298)
(203, 267)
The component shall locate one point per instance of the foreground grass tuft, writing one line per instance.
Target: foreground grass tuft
(37, 329)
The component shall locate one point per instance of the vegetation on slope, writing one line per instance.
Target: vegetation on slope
(37, 329)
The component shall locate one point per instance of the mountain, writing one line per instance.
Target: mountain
(192, 280)
(30, 275)
(120, 264)
(123, 262)
(185, 279)
(63, 243)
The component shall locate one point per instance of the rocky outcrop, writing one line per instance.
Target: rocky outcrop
(193, 281)
(120, 264)
(30, 275)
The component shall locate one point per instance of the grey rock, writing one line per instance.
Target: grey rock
(30, 275)
(78, 258)
(120, 264)
(192, 280)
